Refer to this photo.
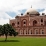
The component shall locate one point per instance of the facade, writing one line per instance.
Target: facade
(31, 23)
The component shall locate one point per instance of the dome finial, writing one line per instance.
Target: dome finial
(31, 6)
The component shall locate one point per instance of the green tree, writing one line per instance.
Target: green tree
(8, 30)
(1, 30)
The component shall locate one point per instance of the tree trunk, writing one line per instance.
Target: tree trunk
(6, 38)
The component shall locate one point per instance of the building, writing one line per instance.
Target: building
(31, 23)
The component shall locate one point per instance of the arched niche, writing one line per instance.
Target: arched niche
(13, 24)
(34, 23)
(24, 22)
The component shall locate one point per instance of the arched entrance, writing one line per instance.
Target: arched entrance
(34, 23)
(24, 22)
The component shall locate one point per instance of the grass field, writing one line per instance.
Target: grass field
(23, 41)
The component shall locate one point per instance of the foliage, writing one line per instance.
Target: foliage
(6, 30)
(1, 30)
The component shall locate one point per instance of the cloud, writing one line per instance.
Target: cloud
(4, 15)
(4, 18)
(43, 12)
(9, 6)
(4, 21)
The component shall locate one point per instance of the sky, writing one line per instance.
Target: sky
(10, 8)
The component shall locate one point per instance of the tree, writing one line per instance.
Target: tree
(7, 29)
(1, 30)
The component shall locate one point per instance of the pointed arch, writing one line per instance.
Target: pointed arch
(34, 23)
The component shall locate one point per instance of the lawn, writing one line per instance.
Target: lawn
(23, 41)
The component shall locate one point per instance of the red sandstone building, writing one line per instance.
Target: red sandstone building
(31, 23)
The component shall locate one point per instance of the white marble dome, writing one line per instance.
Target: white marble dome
(31, 11)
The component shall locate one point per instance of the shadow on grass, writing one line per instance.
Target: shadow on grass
(9, 41)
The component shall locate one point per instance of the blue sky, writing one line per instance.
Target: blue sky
(10, 8)
(13, 14)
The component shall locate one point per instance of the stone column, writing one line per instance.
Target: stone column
(29, 32)
(24, 32)
(20, 32)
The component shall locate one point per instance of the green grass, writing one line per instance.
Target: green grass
(23, 41)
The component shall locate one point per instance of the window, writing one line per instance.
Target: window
(31, 31)
(18, 23)
(13, 24)
(41, 24)
(44, 22)
(26, 32)
(43, 13)
(36, 32)
(41, 20)
(23, 31)
(21, 13)
(24, 22)
(18, 26)
(27, 12)
(34, 23)
(42, 31)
